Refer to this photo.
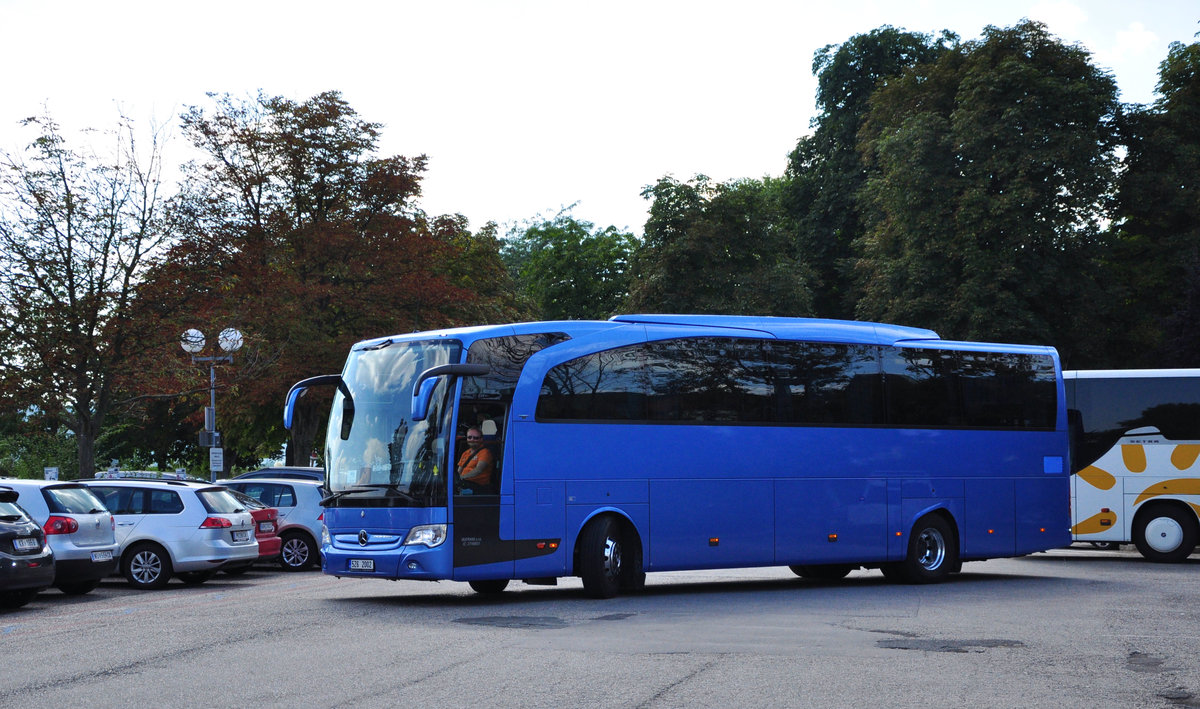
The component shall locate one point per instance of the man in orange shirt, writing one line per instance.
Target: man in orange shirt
(476, 463)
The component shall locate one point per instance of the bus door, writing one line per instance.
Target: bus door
(481, 539)
(483, 516)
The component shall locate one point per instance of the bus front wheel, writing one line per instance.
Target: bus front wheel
(1165, 533)
(932, 553)
(600, 558)
(489, 587)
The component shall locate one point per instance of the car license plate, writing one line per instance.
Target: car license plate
(102, 556)
(241, 535)
(26, 543)
(266, 526)
(362, 564)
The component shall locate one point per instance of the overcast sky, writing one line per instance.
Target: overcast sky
(522, 107)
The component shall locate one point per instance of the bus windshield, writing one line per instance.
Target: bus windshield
(389, 460)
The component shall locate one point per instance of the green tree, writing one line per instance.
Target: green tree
(825, 172)
(991, 171)
(569, 269)
(1154, 264)
(307, 241)
(78, 233)
(719, 248)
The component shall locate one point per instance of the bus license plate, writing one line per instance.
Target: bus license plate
(26, 543)
(99, 556)
(241, 535)
(362, 564)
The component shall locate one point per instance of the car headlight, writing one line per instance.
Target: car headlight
(430, 535)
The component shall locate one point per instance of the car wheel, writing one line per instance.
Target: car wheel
(490, 587)
(297, 552)
(600, 558)
(80, 588)
(147, 566)
(1165, 533)
(822, 572)
(932, 553)
(16, 599)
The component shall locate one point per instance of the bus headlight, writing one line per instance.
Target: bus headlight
(430, 535)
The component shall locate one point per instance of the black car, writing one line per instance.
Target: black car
(290, 472)
(26, 562)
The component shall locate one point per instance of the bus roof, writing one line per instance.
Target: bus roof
(810, 329)
(1129, 373)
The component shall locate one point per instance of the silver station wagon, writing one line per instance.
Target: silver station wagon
(171, 528)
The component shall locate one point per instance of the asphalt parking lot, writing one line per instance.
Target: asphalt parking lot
(1074, 627)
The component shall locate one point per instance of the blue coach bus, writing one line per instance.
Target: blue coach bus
(667, 442)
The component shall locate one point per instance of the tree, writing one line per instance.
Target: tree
(718, 248)
(992, 169)
(304, 239)
(1154, 265)
(569, 269)
(78, 232)
(825, 172)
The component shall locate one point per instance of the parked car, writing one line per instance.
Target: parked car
(289, 472)
(78, 528)
(178, 528)
(26, 561)
(300, 512)
(266, 527)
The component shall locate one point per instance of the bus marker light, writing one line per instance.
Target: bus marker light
(833, 537)
(991, 531)
(714, 542)
(541, 545)
(553, 545)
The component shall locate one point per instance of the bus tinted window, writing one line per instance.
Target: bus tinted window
(919, 386)
(1109, 407)
(708, 379)
(1007, 390)
(827, 384)
(603, 386)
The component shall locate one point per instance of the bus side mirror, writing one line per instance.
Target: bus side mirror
(298, 389)
(420, 405)
(423, 387)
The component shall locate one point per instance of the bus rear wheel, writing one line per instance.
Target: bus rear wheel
(932, 553)
(822, 572)
(601, 558)
(1165, 533)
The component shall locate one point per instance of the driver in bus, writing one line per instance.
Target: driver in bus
(476, 464)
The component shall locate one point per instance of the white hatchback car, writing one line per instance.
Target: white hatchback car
(300, 515)
(78, 529)
(171, 528)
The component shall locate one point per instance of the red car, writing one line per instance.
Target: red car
(266, 527)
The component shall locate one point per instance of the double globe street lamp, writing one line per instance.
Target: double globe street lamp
(192, 341)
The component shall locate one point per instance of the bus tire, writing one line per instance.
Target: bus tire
(822, 572)
(1164, 533)
(600, 558)
(932, 553)
(489, 587)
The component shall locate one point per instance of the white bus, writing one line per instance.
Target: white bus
(1135, 441)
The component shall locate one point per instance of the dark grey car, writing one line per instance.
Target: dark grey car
(26, 562)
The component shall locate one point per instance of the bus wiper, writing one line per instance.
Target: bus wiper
(390, 487)
(393, 488)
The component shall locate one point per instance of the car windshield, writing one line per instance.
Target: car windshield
(388, 459)
(72, 499)
(219, 501)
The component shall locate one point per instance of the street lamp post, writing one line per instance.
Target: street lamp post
(192, 341)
